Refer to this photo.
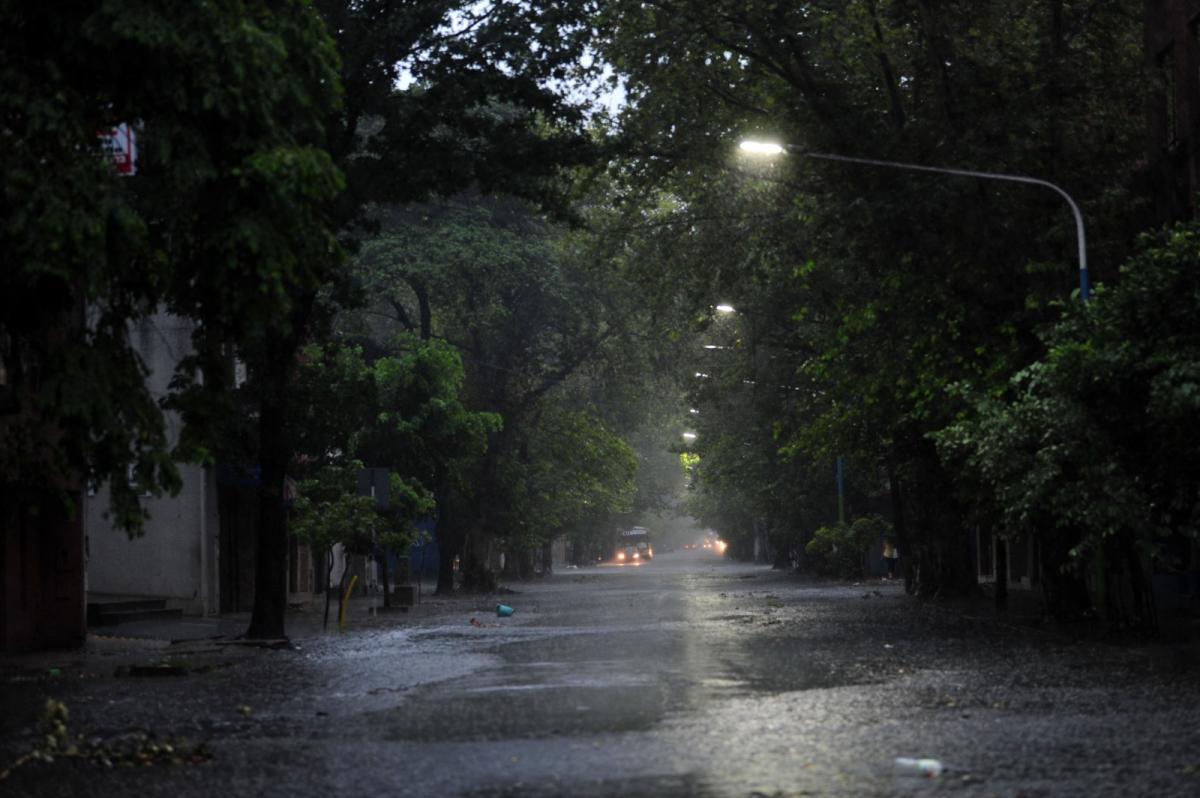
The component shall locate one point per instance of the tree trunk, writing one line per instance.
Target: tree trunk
(1145, 612)
(450, 538)
(328, 585)
(274, 455)
(346, 560)
(1001, 570)
(525, 565)
(511, 569)
(943, 556)
(270, 569)
(478, 575)
(898, 516)
(446, 554)
(1063, 589)
(383, 574)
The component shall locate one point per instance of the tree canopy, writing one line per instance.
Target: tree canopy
(227, 206)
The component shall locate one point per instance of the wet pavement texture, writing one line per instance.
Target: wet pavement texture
(686, 676)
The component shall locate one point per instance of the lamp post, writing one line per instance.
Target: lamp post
(767, 148)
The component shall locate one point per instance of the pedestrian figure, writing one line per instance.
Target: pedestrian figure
(890, 555)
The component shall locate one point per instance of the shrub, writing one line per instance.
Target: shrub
(841, 550)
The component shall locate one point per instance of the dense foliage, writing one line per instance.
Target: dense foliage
(876, 305)
(1087, 450)
(535, 323)
(534, 309)
(227, 206)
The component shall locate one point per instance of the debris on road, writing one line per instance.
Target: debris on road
(139, 749)
(159, 669)
(925, 768)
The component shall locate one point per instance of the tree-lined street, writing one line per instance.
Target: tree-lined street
(688, 676)
(599, 397)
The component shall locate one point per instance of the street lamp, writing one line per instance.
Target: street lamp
(768, 148)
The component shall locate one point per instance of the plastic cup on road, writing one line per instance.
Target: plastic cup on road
(925, 768)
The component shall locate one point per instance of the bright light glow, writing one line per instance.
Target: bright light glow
(761, 148)
(620, 555)
(689, 436)
(720, 546)
(724, 307)
(694, 411)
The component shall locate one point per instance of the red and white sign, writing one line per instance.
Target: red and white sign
(120, 143)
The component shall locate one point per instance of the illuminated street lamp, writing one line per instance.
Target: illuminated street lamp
(689, 436)
(769, 148)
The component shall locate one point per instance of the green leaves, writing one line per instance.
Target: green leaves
(573, 471)
(1089, 444)
(840, 550)
(328, 511)
(227, 210)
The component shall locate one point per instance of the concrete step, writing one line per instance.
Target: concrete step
(108, 613)
(113, 617)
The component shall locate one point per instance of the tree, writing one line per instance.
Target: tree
(438, 97)
(1086, 450)
(401, 413)
(570, 476)
(227, 205)
(328, 513)
(901, 286)
(530, 316)
(840, 550)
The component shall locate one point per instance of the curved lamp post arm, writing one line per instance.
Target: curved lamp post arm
(1080, 236)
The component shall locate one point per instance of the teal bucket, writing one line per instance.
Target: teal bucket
(503, 610)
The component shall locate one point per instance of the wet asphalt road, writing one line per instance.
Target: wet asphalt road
(688, 676)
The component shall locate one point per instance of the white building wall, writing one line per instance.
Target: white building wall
(176, 557)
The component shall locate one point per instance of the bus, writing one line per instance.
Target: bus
(633, 545)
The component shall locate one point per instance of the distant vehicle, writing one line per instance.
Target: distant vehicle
(634, 545)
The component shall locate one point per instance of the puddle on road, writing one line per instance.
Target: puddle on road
(687, 785)
(563, 678)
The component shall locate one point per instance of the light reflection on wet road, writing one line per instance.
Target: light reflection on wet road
(687, 676)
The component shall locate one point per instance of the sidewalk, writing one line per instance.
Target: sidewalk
(300, 622)
(194, 638)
